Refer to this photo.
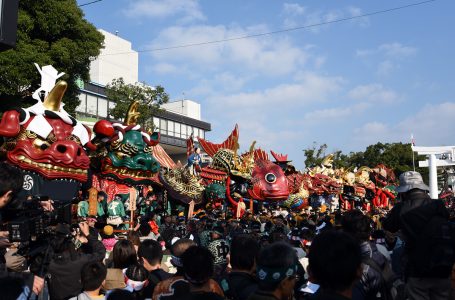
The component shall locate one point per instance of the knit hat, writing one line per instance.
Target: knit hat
(108, 231)
(411, 180)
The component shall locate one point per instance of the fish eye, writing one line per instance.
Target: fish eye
(270, 177)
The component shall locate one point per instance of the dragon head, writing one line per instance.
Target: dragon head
(125, 151)
(45, 139)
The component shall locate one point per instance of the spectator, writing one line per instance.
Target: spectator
(276, 270)
(66, 264)
(335, 263)
(198, 268)
(92, 275)
(11, 180)
(134, 237)
(136, 281)
(241, 282)
(177, 284)
(372, 284)
(428, 238)
(13, 288)
(219, 248)
(192, 233)
(119, 294)
(123, 256)
(150, 256)
(108, 238)
(166, 286)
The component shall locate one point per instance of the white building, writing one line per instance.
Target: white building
(180, 119)
(117, 59)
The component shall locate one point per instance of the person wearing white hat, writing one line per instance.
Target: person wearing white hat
(429, 252)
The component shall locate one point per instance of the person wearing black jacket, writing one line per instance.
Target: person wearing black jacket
(11, 181)
(241, 282)
(415, 217)
(371, 285)
(150, 256)
(65, 267)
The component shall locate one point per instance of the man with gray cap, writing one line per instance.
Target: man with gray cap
(429, 238)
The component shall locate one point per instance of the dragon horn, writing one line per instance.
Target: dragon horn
(132, 114)
(252, 147)
(54, 98)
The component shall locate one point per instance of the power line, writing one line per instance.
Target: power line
(276, 31)
(91, 2)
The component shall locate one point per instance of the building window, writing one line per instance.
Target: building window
(183, 131)
(177, 129)
(83, 105)
(170, 128)
(92, 105)
(102, 107)
(201, 134)
(189, 130)
(163, 126)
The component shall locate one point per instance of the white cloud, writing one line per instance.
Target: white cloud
(224, 82)
(333, 115)
(390, 56)
(391, 50)
(292, 12)
(310, 88)
(385, 68)
(188, 10)
(165, 68)
(297, 15)
(271, 116)
(397, 50)
(293, 9)
(319, 61)
(271, 56)
(356, 11)
(430, 126)
(374, 92)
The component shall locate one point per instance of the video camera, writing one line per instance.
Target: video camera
(31, 222)
(34, 228)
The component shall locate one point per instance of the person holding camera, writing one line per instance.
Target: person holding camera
(67, 262)
(11, 181)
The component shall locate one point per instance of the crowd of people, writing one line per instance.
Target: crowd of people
(406, 253)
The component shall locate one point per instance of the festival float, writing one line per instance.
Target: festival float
(57, 154)
(46, 143)
(231, 177)
(126, 164)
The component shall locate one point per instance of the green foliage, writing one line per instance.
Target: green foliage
(397, 156)
(49, 32)
(123, 94)
(314, 156)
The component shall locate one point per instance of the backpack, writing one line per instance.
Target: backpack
(434, 253)
(392, 287)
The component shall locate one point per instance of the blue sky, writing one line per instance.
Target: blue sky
(347, 84)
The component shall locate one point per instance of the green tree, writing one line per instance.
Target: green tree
(314, 155)
(123, 94)
(49, 32)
